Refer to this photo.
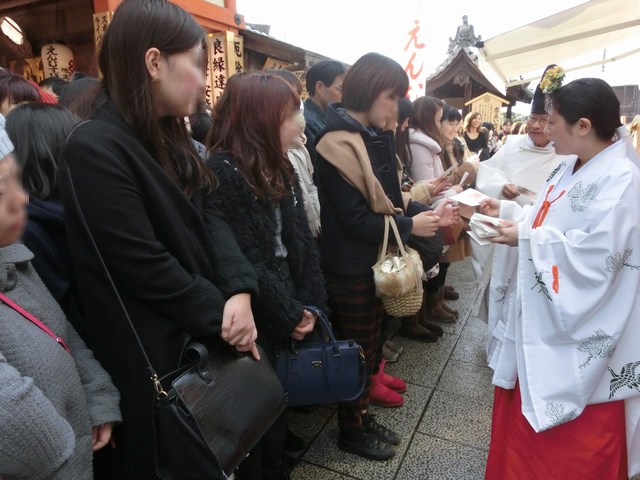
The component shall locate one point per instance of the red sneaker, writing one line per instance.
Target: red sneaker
(383, 396)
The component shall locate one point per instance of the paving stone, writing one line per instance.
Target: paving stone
(472, 345)
(430, 458)
(422, 363)
(460, 419)
(308, 471)
(468, 379)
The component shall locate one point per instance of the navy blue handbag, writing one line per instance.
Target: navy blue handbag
(321, 372)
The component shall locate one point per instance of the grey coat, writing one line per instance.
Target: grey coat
(49, 398)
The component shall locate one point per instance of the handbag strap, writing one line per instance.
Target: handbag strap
(389, 220)
(32, 318)
(160, 393)
(325, 324)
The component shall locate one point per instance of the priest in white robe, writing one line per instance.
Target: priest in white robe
(517, 172)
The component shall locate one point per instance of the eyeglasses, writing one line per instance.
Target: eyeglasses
(542, 120)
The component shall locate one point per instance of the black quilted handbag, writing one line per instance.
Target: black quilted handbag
(214, 413)
(324, 372)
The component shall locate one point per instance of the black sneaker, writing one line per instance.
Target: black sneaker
(294, 443)
(365, 444)
(383, 433)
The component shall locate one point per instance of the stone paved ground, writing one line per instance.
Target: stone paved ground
(445, 422)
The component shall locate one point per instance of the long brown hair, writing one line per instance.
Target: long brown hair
(424, 118)
(137, 26)
(246, 123)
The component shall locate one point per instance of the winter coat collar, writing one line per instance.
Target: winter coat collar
(48, 212)
(337, 118)
(9, 257)
(420, 138)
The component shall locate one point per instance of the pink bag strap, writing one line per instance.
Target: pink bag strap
(33, 319)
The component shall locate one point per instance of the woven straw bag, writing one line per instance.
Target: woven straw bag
(398, 275)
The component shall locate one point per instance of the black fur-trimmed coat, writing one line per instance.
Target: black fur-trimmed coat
(276, 312)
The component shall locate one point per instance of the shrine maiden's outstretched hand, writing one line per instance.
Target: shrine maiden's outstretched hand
(490, 207)
(508, 233)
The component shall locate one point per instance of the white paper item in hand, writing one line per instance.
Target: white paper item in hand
(480, 225)
(479, 217)
(477, 239)
(470, 197)
(530, 194)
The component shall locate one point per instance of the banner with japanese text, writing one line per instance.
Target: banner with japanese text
(226, 57)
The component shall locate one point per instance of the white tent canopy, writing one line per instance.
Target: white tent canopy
(575, 38)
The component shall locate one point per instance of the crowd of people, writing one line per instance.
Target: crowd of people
(235, 226)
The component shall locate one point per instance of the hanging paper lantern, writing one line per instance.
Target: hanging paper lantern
(57, 61)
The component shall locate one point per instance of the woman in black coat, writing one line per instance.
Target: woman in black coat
(146, 197)
(255, 122)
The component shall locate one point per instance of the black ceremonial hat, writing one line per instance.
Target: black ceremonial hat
(539, 103)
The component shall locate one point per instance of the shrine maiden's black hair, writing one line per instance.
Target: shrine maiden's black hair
(590, 98)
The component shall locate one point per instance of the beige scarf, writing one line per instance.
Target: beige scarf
(347, 152)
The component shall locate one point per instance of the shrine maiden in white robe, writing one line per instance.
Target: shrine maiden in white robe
(564, 309)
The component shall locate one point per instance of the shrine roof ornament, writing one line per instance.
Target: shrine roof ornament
(465, 37)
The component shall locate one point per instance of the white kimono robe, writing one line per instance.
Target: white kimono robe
(564, 311)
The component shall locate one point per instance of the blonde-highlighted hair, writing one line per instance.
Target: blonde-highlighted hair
(468, 118)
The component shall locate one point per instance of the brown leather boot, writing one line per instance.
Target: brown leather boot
(443, 304)
(434, 311)
(424, 321)
(450, 293)
(412, 329)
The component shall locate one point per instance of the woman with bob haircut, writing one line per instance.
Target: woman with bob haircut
(38, 132)
(255, 122)
(563, 342)
(146, 197)
(359, 183)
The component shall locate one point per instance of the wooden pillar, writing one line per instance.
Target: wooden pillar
(100, 6)
(467, 96)
(230, 5)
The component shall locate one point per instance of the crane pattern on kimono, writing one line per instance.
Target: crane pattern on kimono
(598, 345)
(502, 290)
(617, 261)
(555, 412)
(626, 378)
(540, 283)
(581, 196)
